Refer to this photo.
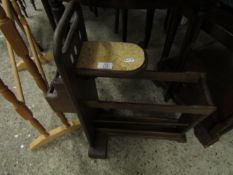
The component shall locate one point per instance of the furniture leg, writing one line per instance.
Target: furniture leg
(21, 109)
(117, 16)
(32, 43)
(99, 149)
(176, 16)
(124, 24)
(19, 91)
(192, 32)
(148, 28)
(27, 115)
(167, 20)
(96, 11)
(57, 9)
(49, 13)
(9, 30)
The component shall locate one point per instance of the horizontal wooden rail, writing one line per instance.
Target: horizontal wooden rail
(159, 135)
(188, 77)
(191, 109)
(166, 124)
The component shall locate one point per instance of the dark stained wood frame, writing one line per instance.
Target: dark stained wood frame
(95, 119)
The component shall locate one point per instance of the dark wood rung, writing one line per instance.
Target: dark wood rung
(191, 109)
(113, 117)
(185, 77)
(136, 123)
(160, 135)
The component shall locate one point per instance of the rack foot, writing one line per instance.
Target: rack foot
(55, 133)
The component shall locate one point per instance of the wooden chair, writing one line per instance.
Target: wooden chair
(217, 23)
(80, 62)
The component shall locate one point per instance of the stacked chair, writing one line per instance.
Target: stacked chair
(73, 89)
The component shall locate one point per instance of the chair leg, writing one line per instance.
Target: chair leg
(191, 35)
(117, 16)
(175, 17)
(96, 11)
(167, 20)
(57, 9)
(124, 24)
(49, 13)
(148, 27)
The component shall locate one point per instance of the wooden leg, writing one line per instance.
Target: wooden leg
(32, 43)
(192, 32)
(99, 149)
(49, 13)
(167, 20)
(57, 9)
(117, 16)
(12, 35)
(148, 28)
(19, 91)
(23, 8)
(176, 16)
(96, 11)
(27, 115)
(124, 24)
(21, 108)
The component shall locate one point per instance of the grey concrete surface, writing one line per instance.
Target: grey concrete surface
(126, 155)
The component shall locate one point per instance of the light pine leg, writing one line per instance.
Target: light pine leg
(21, 109)
(12, 35)
(19, 91)
(34, 48)
(15, 74)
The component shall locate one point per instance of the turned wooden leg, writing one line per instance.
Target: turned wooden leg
(27, 115)
(21, 108)
(33, 45)
(12, 35)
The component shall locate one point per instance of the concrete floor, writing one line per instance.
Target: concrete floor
(126, 155)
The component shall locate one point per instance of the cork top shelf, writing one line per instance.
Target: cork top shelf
(112, 56)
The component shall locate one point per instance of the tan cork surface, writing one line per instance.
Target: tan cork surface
(122, 56)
